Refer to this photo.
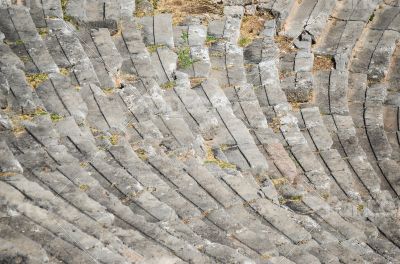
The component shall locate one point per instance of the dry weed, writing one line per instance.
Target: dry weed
(323, 63)
(180, 9)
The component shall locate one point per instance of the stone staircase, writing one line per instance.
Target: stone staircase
(132, 140)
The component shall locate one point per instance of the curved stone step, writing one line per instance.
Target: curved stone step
(199, 117)
(16, 247)
(46, 200)
(59, 248)
(43, 10)
(19, 29)
(60, 98)
(60, 227)
(21, 98)
(157, 30)
(65, 47)
(301, 13)
(348, 20)
(192, 38)
(102, 113)
(103, 13)
(374, 49)
(9, 165)
(318, 18)
(100, 49)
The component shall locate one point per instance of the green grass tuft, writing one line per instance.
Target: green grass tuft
(168, 85)
(184, 59)
(244, 42)
(210, 40)
(211, 159)
(185, 37)
(371, 17)
(55, 117)
(36, 79)
(141, 153)
(153, 48)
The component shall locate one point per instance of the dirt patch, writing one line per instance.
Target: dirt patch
(180, 9)
(196, 81)
(251, 27)
(323, 63)
(285, 44)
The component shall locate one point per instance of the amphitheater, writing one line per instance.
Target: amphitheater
(200, 131)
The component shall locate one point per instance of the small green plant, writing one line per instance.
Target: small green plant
(210, 40)
(17, 42)
(24, 58)
(139, 26)
(141, 153)
(218, 54)
(293, 199)
(211, 159)
(39, 112)
(56, 117)
(153, 48)
(64, 71)
(84, 187)
(168, 85)
(184, 59)
(64, 4)
(244, 42)
(371, 17)
(43, 31)
(279, 182)
(296, 198)
(360, 207)
(35, 80)
(108, 90)
(185, 37)
(114, 138)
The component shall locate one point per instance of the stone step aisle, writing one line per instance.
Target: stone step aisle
(190, 41)
(158, 37)
(138, 63)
